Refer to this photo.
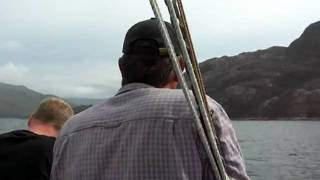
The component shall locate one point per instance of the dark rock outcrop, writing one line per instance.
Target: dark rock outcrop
(308, 44)
(294, 103)
(278, 82)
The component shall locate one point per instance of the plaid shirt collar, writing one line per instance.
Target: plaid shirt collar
(133, 86)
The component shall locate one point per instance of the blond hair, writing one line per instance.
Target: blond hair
(53, 111)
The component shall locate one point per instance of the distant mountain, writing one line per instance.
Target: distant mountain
(81, 104)
(18, 101)
(80, 108)
(84, 101)
(278, 82)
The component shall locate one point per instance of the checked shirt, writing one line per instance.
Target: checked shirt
(142, 133)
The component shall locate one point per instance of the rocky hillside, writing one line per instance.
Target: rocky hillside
(278, 82)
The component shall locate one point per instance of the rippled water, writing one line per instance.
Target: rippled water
(286, 150)
(9, 124)
(274, 150)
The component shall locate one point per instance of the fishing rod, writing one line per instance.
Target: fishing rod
(202, 118)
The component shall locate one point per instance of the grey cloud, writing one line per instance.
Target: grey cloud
(76, 43)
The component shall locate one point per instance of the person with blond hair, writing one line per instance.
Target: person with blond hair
(27, 154)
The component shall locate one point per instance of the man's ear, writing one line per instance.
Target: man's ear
(182, 67)
(182, 63)
(30, 120)
(175, 77)
(120, 65)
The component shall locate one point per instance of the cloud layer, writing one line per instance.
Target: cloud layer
(70, 48)
(85, 79)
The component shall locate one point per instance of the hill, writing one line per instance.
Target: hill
(18, 101)
(278, 82)
(84, 101)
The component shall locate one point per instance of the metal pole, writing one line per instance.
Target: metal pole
(197, 91)
(207, 139)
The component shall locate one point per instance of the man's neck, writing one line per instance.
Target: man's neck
(171, 85)
(43, 129)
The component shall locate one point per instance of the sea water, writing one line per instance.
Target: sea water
(280, 150)
(273, 150)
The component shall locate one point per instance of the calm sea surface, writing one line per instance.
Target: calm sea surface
(281, 150)
(12, 124)
(274, 150)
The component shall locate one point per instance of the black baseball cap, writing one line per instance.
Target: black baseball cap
(144, 38)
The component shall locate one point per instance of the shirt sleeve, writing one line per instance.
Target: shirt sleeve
(228, 143)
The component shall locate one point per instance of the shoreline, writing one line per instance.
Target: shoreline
(233, 119)
(276, 119)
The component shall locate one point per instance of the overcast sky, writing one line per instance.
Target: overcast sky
(70, 48)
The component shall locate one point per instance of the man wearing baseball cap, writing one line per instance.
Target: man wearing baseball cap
(146, 130)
